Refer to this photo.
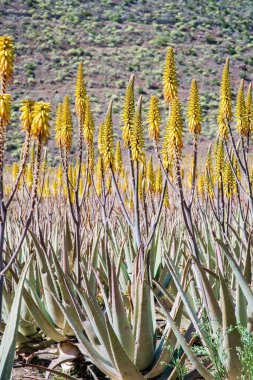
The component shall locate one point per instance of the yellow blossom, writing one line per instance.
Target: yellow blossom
(6, 58)
(154, 119)
(40, 120)
(170, 83)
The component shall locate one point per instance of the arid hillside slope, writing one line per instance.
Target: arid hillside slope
(117, 38)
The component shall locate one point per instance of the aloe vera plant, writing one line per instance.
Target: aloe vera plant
(10, 333)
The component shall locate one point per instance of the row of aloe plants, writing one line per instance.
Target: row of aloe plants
(140, 266)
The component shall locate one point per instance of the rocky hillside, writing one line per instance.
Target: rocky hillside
(117, 38)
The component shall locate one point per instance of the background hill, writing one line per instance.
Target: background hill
(117, 38)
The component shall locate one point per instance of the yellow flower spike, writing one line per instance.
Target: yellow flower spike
(228, 180)
(29, 176)
(65, 191)
(150, 177)
(170, 83)
(21, 181)
(208, 185)
(66, 126)
(58, 124)
(118, 159)
(44, 165)
(100, 137)
(225, 105)
(249, 108)
(159, 181)
(26, 110)
(81, 187)
(74, 173)
(40, 121)
(130, 201)
(91, 157)
(5, 109)
(136, 135)
(140, 185)
(194, 110)
(80, 92)
(98, 187)
(70, 174)
(128, 114)
(83, 169)
(223, 128)
(119, 183)
(107, 148)
(46, 188)
(215, 147)
(171, 172)
(234, 181)
(124, 172)
(182, 173)
(173, 141)
(109, 184)
(8, 168)
(88, 127)
(154, 119)
(54, 188)
(190, 179)
(32, 154)
(166, 201)
(190, 174)
(240, 112)
(39, 188)
(89, 182)
(15, 170)
(125, 186)
(209, 161)
(251, 179)
(6, 58)
(72, 196)
(201, 186)
(25, 169)
(237, 167)
(7, 189)
(219, 160)
(144, 173)
(99, 168)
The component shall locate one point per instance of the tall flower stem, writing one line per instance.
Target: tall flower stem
(137, 226)
(21, 170)
(2, 205)
(122, 204)
(78, 219)
(30, 214)
(194, 171)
